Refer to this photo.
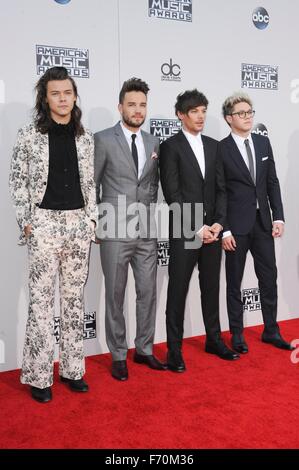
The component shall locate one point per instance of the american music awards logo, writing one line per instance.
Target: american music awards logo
(76, 61)
(180, 10)
(90, 331)
(57, 329)
(164, 128)
(251, 299)
(163, 253)
(259, 76)
(89, 327)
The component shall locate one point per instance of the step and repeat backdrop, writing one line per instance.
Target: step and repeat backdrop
(219, 47)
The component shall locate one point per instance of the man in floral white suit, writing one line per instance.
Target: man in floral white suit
(52, 187)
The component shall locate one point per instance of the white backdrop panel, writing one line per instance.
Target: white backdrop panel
(123, 41)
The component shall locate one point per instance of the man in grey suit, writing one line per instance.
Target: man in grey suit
(126, 175)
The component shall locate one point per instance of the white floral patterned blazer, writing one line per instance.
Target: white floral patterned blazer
(29, 173)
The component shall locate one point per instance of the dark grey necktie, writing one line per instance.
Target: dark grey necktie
(250, 159)
(134, 151)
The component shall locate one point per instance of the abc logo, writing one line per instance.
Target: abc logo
(260, 18)
(260, 129)
(62, 2)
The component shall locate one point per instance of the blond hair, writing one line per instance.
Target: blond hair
(231, 101)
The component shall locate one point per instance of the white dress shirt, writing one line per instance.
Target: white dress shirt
(195, 142)
(240, 142)
(139, 144)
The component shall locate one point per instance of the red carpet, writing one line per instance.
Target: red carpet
(249, 403)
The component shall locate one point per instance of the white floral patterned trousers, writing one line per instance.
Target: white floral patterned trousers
(59, 244)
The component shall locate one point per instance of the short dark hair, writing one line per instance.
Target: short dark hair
(188, 100)
(42, 118)
(133, 84)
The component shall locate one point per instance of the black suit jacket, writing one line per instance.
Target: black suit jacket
(242, 193)
(182, 180)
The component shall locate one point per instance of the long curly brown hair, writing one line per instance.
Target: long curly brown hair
(42, 116)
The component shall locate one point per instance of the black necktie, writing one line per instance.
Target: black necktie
(134, 151)
(250, 159)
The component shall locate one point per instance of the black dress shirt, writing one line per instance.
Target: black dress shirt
(63, 187)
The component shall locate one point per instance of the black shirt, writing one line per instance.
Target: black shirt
(63, 187)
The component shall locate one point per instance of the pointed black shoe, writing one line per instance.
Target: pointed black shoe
(221, 350)
(78, 385)
(175, 361)
(278, 342)
(149, 360)
(42, 395)
(119, 370)
(239, 344)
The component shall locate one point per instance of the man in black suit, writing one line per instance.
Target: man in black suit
(252, 186)
(192, 174)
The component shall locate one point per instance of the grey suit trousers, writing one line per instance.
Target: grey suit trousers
(116, 256)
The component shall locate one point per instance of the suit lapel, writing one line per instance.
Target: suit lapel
(43, 154)
(119, 135)
(238, 159)
(187, 150)
(80, 157)
(206, 150)
(148, 149)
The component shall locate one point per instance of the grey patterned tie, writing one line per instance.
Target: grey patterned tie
(250, 159)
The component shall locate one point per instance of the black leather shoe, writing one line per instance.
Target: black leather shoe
(120, 370)
(175, 361)
(150, 360)
(221, 350)
(239, 344)
(278, 342)
(75, 385)
(43, 395)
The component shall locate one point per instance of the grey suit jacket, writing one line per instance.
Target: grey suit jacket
(126, 198)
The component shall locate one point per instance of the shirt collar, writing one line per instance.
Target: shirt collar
(240, 140)
(61, 129)
(128, 133)
(191, 137)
